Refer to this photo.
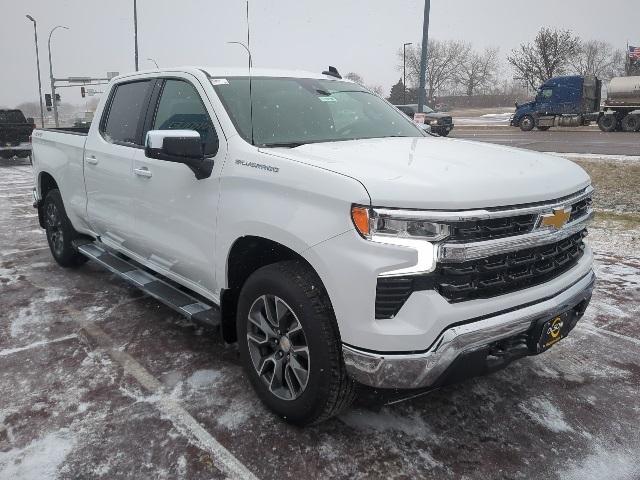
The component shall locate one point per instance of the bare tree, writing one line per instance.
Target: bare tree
(377, 89)
(443, 64)
(355, 77)
(548, 56)
(595, 57)
(478, 70)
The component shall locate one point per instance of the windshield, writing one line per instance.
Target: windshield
(293, 111)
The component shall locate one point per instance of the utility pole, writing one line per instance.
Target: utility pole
(53, 83)
(423, 57)
(35, 32)
(404, 72)
(135, 28)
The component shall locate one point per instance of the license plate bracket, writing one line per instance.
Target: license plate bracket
(546, 332)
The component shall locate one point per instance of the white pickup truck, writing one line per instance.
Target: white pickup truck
(333, 239)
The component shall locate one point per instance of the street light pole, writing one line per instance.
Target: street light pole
(404, 72)
(135, 29)
(246, 48)
(35, 32)
(53, 86)
(423, 57)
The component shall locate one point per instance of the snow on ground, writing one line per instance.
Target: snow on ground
(70, 409)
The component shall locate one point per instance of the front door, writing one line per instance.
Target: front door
(175, 216)
(108, 163)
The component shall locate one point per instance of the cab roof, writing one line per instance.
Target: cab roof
(224, 72)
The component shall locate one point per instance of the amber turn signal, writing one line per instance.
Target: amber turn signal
(360, 217)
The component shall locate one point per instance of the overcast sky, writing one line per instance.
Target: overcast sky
(354, 35)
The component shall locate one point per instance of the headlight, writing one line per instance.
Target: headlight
(372, 222)
(384, 226)
(434, 122)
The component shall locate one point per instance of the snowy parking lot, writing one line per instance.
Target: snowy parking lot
(98, 381)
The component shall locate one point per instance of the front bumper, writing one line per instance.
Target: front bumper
(425, 369)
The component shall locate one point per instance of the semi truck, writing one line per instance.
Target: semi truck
(317, 226)
(574, 101)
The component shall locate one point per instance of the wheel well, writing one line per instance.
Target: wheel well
(47, 183)
(247, 255)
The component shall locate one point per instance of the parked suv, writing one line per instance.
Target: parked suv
(320, 229)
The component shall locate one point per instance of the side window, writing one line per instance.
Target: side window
(547, 93)
(180, 108)
(126, 109)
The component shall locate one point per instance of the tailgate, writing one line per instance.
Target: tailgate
(13, 135)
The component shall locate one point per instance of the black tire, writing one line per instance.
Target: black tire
(527, 123)
(60, 232)
(631, 123)
(608, 123)
(328, 390)
(23, 154)
(543, 129)
(443, 133)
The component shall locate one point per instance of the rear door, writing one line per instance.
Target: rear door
(108, 162)
(176, 214)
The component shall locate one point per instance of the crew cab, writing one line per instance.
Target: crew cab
(319, 228)
(15, 133)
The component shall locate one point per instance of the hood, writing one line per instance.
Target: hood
(443, 173)
(525, 106)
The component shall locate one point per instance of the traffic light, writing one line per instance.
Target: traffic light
(57, 98)
(47, 100)
(82, 92)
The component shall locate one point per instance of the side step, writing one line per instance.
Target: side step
(166, 293)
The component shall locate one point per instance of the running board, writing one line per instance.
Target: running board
(162, 291)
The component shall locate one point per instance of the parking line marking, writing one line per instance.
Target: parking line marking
(15, 252)
(182, 420)
(593, 329)
(11, 351)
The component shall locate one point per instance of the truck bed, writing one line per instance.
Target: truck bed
(60, 152)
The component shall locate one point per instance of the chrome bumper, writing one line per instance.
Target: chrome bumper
(423, 369)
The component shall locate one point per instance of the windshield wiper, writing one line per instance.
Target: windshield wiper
(282, 144)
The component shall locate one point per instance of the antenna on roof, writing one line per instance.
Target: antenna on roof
(332, 72)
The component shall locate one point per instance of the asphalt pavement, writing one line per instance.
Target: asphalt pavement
(568, 140)
(99, 381)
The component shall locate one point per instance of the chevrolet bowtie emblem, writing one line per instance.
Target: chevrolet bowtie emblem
(557, 219)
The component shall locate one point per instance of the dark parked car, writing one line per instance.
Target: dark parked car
(15, 133)
(440, 123)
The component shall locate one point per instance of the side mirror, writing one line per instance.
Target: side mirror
(517, 106)
(179, 146)
(30, 121)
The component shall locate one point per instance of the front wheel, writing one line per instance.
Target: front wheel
(60, 232)
(290, 346)
(527, 123)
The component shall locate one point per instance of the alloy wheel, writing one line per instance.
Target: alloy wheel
(54, 228)
(278, 347)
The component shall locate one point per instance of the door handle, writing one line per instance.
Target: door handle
(143, 172)
(92, 160)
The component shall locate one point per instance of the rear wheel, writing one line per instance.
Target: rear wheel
(607, 123)
(631, 123)
(290, 346)
(527, 123)
(60, 232)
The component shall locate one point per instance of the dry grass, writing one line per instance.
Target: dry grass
(617, 185)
